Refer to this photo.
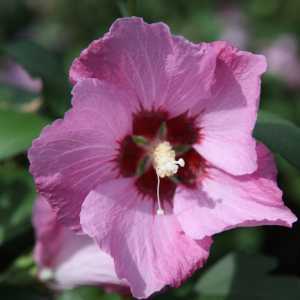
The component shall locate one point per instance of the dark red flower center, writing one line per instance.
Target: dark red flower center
(148, 128)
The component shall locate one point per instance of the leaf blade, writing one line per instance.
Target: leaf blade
(280, 135)
(17, 130)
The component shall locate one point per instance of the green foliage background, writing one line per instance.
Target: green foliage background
(44, 37)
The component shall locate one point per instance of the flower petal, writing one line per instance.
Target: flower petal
(126, 226)
(191, 72)
(228, 118)
(81, 262)
(223, 201)
(68, 259)
(15, 75)
(161, 71)
(75, 154)
(46, 228)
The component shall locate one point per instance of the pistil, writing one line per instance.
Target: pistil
(165, 165)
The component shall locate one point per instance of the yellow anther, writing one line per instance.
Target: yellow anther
(165, 164)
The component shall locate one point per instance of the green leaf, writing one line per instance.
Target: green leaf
(16, 199)
(246, 277)
(12, 292)
(22, 271)
(15, 98)
(87, 293)
(281, 136)
(41, 63)
(17, 130)
(35, 59)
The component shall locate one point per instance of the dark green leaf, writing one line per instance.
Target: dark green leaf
(22, 271)
(17, 130)
(15, 98)
(87, 293)
(11, 292)
(246, 277)
(41, 63)
(16, 198)
(281, 136)
(35, 59)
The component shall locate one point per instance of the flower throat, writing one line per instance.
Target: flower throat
(160, 155)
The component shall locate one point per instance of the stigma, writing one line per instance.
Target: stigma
(165, 165)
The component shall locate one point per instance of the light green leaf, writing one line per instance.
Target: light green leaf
(16, 98)
(22, 271)
(246, 277)
(17, 130)
(41, 63)
(281, 136)
(87, 293)
(35, 59)
(13, 292)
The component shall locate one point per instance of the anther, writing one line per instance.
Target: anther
(165, 164)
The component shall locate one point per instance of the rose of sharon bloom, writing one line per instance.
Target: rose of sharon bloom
(15, 75)
(65, 259)
(283, 59)
(234, 26)
(157, 152)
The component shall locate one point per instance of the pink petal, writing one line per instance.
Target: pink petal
(75, 154)
(68, 259)
(161, 71)
(228, 118)
(142, 243)
(223, 201)
(46, 228)
(15, 75)
(81, 262)
(191, 72)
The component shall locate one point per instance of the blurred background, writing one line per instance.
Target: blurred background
(38, 41)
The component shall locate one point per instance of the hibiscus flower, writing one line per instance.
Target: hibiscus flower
(66, 260)
(157, 154)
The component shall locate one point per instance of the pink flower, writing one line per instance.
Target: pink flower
(157, 153)
(15, 75)
(66, 260)
(234, 26)
(283, 59)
